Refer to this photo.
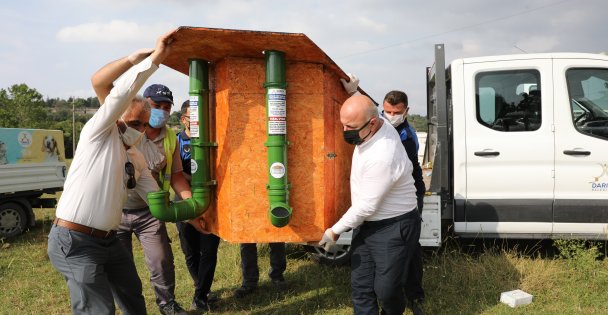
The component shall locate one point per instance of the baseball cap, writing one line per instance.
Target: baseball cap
(159, 93)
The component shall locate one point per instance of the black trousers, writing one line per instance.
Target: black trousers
(249, 263)
(382, 251)
(413, 284)
(200, 251)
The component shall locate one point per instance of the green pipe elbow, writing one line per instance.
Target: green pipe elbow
(160, 206)
(279, 214)
(165, 210)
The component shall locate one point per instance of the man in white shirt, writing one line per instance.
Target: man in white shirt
(383, 212)
(82, 243)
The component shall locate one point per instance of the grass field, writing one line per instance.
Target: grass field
(463, 278)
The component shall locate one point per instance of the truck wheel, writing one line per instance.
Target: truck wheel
(13, 219)
(340, 256)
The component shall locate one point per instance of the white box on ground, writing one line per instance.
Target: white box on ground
(515, 298)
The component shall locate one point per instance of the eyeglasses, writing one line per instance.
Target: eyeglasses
(130, 170)
(136, 124)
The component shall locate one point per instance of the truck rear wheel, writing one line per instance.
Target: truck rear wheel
(13, 219)
(340, 256)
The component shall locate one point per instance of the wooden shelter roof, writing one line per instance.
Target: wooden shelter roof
(213, 44)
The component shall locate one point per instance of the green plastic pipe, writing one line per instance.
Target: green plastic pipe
(276, 123)
(160, 205)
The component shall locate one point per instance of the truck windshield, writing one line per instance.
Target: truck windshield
(588, 92)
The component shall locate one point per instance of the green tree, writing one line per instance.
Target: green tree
(173, 121)
(22, 107)
(418, 122)
(66, 127)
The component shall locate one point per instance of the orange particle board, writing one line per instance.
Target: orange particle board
(318, 159)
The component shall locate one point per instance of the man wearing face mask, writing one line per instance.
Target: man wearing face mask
(383, 215)
(395, 110)
(82, 243)
(169, 170)
(137, 218)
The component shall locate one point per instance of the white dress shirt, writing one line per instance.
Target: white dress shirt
(381, 182)
(95, 188)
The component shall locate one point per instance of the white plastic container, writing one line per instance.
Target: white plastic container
(516, 298)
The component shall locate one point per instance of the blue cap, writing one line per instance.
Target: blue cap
(159, 93)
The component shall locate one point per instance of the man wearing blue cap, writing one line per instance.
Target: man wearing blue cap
(163, 158)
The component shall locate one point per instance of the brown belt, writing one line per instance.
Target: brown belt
(84, 229)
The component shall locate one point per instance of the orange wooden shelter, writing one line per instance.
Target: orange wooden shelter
(318, 158)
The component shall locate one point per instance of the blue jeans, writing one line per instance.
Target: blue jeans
(97, 271)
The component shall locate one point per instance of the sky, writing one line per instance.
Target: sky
(55, 46)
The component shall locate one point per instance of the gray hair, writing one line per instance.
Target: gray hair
(371, 111)
(137, 99)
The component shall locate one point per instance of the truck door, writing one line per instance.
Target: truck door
(509, 148)
(581, 147)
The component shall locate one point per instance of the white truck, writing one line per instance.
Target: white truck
(32, 163)
(517, 147)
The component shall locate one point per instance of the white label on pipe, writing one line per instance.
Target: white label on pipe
(277, 112)
(277, 170)
(277, 125)
(194, 132)
(193, 166)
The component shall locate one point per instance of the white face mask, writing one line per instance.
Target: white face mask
(395, 120)
(131, 137)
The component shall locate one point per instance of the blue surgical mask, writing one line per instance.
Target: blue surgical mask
(158, 118)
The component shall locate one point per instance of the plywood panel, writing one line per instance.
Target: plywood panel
(338, 166)
(241, 160)
(318, 158)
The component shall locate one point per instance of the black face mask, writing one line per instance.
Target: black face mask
(352, 136)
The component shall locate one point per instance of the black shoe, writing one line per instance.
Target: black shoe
(200, 308)
(279, 284)
(243, 291)
(416, 306)
(172, 308)
(212, 298)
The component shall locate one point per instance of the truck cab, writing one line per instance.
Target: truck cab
(519, 144)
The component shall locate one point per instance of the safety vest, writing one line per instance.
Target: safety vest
(169, 143)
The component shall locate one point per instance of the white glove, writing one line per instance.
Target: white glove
(139, 55)
(328, 240)
(352, 85)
